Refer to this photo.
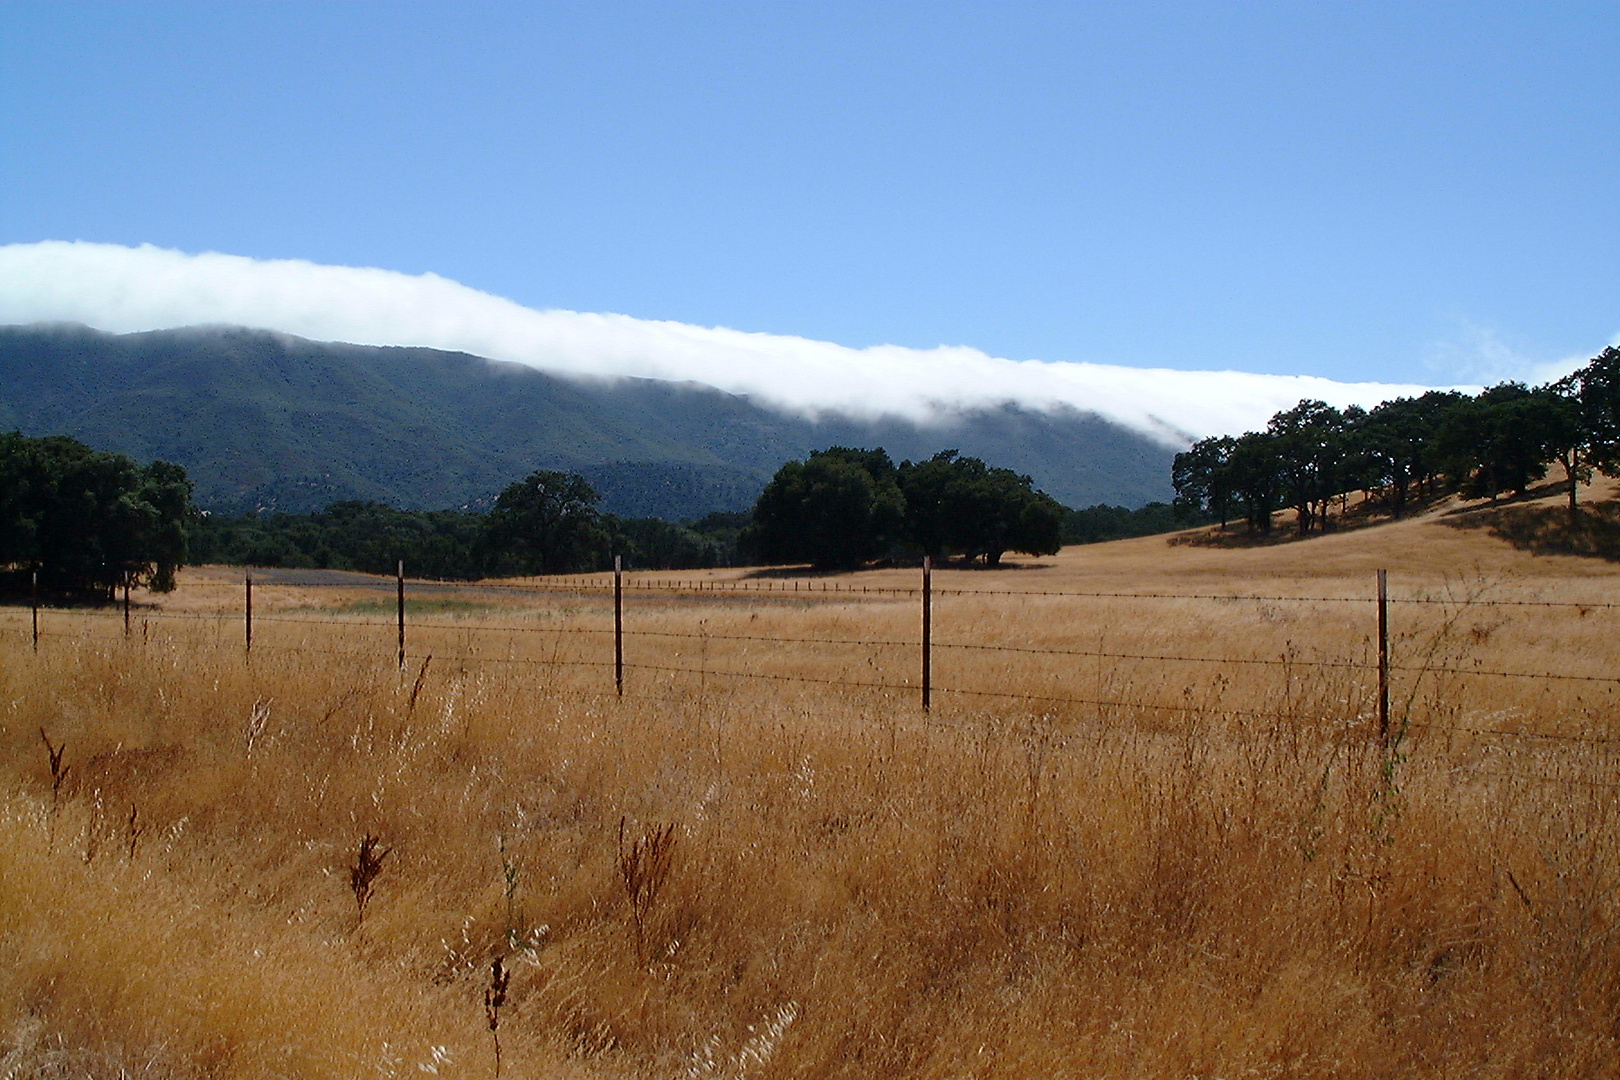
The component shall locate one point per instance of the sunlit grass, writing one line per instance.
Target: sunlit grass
(1142, 867)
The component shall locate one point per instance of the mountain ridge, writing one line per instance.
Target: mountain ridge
(267, 420)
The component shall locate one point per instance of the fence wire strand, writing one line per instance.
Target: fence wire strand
(602, 589)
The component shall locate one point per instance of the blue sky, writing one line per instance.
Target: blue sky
(1401, 193)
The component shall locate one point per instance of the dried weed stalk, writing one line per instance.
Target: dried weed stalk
(367, 865)
(135, 829)
(59, 771)
(416, 688)
(494, 997)
(643, 870)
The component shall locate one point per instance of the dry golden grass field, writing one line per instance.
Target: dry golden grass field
(1147, 829)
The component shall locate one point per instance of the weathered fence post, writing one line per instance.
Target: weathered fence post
(247, 612)
(1383, 657)
(618, 624)
(927, 630)
(126, 605)
(400, 606)
(33, 602)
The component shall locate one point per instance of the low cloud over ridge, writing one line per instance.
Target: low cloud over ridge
(122, 290)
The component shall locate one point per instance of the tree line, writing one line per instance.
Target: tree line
(1500, 440)
(838, 509)
(88, 522)
(569, 535)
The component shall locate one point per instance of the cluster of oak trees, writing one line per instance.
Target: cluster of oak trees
(1500, 440)
(77, 520)
(842, 507)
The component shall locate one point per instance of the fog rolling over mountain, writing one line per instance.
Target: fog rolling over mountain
(267, 420)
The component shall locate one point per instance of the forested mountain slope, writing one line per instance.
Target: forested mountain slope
(266, 420)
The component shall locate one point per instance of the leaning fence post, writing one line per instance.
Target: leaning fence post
(927, 629)
(33, 602)
(1383, 657)
(247, 610)
(618, 624)
(400, 581)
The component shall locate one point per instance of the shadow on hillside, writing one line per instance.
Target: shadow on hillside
(1360, 514)
(1547, 530)
(1533, 493)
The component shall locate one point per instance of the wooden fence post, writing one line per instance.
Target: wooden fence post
(126, 605)
(618, 624)
(33, 602)
(927, 630)
(1383, 658)
(247, 618)
(400, 581)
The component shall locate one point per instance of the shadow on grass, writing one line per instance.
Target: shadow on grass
(1372, 512)
(1359, 515)
(17, 591)
(1547, 530)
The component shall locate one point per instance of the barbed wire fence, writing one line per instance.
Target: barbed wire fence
(611, 653)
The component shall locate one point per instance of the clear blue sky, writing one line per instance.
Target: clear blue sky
(1407, 193)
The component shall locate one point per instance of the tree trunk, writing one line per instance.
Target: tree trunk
(1571, 470)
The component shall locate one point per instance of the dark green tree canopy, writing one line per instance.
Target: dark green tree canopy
(1203, 479)
(842, 507)
(961, 505)
(370, 537)
(1595, 392)
(1256, 476)
(1312, 444)
(88, 521)
(1500, 440)
(837, 509)
(546, 523)
(1399, 439)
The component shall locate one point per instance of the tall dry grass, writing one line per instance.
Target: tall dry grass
(1182, 869)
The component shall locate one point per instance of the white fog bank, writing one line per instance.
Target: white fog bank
(122, 290)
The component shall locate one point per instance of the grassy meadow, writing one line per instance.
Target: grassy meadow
(1144, 835)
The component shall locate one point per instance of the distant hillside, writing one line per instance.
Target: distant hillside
(265, 420)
